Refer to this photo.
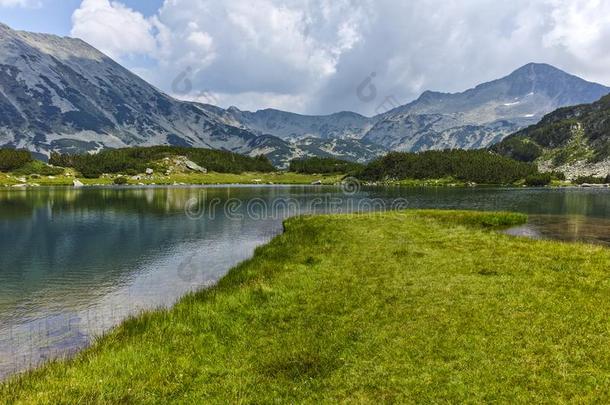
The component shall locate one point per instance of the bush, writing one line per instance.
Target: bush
(318, 165)
(592, 180)
(479, 166)
(12, 159)
(558, 176)
(120, 180)
(538, 180)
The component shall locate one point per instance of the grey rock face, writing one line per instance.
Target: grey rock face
(473, 119)
(61, 94)
(483, 115)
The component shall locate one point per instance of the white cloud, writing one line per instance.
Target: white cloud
(113, 28)
(311, 55)
(581, 28)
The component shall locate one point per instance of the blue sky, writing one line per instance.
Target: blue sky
(310, 56)
(55, 16)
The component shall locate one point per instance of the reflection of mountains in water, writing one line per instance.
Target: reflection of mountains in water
(96, 238)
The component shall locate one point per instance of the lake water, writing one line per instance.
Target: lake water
(75, 262)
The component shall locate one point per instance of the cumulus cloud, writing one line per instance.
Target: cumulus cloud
(267, 47)
(113, 28)
(581, 28)
(311, 55)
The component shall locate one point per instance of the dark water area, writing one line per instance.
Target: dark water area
(76, 262)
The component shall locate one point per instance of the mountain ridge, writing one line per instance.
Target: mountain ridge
(474, 118)
(483, 114)
(62, 94)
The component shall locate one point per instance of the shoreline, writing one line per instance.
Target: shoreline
(69, 179)
(5, 187)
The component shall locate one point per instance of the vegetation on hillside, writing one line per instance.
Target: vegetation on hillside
(564, 136)
(538, 180)
(397, 307)
(592, 180)
(38, 168)
(13, 159)
(477, 166)
(314, 165)
(137, 160)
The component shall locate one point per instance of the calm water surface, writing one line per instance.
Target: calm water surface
(74, 263)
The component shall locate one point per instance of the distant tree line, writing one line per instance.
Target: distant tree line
(13, 159)
(320, 165)
(479, 166)
(136, 160)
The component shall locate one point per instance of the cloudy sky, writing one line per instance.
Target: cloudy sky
(311, 56)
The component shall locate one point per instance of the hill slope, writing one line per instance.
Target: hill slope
(62, 94)
(575, 140)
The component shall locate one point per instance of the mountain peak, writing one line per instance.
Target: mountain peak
(430, 95)
(538, 69)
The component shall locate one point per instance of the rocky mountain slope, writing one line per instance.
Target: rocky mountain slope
(62, 94)
(476, 118)
(483, 115)
(296, 127)
(574, 140)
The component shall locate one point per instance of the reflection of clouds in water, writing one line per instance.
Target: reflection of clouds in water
(157, 283)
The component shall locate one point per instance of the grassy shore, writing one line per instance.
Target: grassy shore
(395, 307)
(66, 179)
(11, 180)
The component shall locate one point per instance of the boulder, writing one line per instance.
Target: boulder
(149, 171)
(194, 166)
(77, 183)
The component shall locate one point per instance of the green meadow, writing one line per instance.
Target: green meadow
(412, 306)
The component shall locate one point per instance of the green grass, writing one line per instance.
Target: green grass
(10, 179)
(576, 149)
(414, 306)
(444, 182)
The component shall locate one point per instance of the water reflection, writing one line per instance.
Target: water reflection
(74, 262)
